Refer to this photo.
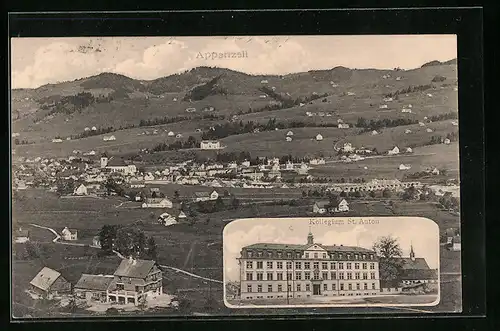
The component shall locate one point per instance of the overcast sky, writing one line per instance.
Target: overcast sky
(38, 61)
(422, 233)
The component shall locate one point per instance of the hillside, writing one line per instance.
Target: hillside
(118, 102)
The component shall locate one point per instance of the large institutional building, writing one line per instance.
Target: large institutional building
(270, 271)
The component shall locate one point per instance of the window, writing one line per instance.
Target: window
(249, 254)
(324, 255)
(324, 265)
(289, 288)
(259, 288)
(280, 288)
(279, 255)
(356, 256)
(357, 286)
(315, 255)
(356, 275)
(269, 276)
(371, 256)
(249, 288)
(372, 265)
(279, 265)
(356, 266)
(289, 265)
(341, 286)
(289, 255)
(260, 276)
(307, 255)
(348, 256)
(332, 256)
(333, 275)
(297, 255)
(349, 286)
(334, 287)
(373, 286)
(298, 265)
(289, 276)
(259, 254)
(341, 265)
(365, 275)
(120, 286)
(364, 265)
(372, 275)
(365, 286)
(269, 264)
(269, 254)
(279, 276)
(332, 265)
(308, 287)
(315, 265)
(325, 287)
(269, 288)
(349, 265)
(340, 255)
(341, 275)
(249, 264)
(307, 265)
(316, 276)
(249, 276)
(298, 275)
(307, 275)
(259, 264)
(364, 256)
(349, 275)
(298, 288)
(325, 275)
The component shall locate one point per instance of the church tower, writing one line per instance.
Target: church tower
(104, 160)
(310, 238)
(412, 253)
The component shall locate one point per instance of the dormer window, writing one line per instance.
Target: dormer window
(289, 255)
(364, 256)
(356, 256)
(371, 256)
(348, 256)
(324, 255)
(249, 254)
(340, 255)
(298, 255)
(307, 255)
(270, 254)
(259, 254)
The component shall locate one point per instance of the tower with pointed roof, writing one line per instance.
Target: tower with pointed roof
(412, 253)
(310, 237)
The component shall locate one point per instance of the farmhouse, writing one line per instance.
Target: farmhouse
(454, 123)
(96, 241)
(393, 151)
(94, 128)
(110, 138)
(428, 130)
(382, 106)
(171, 134)
(49, 283)
(407, 131)
(167, 219)
(409, 150)
(351, 93)
(374, 133)
(69, 234)
(80, 190)
(288, 139)
(348, 147)
(134, 280)
(343, 126)
(178, 135)
(416, 270)
(316, 161)
(205, 196)
(93, 288)
(57, 140)
(319, 137)
(320, 207)
(190, 110)
(339, 205)
(210, 144)
(456, 243)
(21, 236)
(421, 123)
(157, 203)
(289, 133)
(447, 141)
(404, 167)
(181, 215)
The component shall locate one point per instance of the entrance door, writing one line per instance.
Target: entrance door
(316, 289)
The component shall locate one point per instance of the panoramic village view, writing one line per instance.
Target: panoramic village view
(131, 155)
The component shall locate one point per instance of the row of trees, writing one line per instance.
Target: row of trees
(128, 241)
(175, 119)
(409, 89)
(453, 136)
(97, 132)
(17, 141)
(191, 142)
(383, 123)
(202, 91)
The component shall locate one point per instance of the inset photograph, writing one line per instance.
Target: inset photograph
(333, 261)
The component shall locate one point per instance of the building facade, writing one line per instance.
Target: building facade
(210, 144)
(269, 271)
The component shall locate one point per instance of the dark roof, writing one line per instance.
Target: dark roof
(22, 233)
(45, 278)
(116, 162)
(418, 263)
(134, 268)
(202, 194)
(418, 274)
(456, 240)
(335, 248)
(94, 282)
(322, 204)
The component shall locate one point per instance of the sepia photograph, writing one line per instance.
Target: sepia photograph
(149, 173)
(351, 261)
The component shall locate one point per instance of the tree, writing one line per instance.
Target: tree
(226, 193)
(343, 194)
(107, 236)
(153, 195)
(304, 194)
(152, 251)
(235, 202)
(386, 193)
(372, 194)
(207, 221)
(176, 195)
(219, 204)
(389, 252)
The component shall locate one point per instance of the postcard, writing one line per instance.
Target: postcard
(221, 176)
(337, 261)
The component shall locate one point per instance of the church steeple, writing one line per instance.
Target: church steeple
(412, 253)
(310, 237)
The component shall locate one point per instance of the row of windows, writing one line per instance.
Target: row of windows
(306, 275)
(308, 255)
(299, 288)
(298, 296)
(308, 265)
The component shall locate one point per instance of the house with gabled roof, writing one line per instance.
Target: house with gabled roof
(49, 283)
(69, 234)
(92, 288)
(415, 270)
